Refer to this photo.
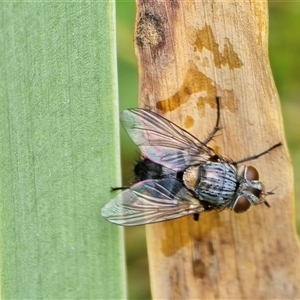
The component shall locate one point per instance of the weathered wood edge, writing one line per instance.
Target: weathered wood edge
(187, 54)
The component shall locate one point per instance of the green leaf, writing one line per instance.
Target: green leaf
(59, 137)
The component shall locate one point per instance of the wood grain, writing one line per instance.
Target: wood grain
(188, 53)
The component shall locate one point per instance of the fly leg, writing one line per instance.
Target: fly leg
(119, 188)
(258, 155)
(196, 217)
(216, 128)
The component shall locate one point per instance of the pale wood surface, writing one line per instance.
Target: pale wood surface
(189, 52)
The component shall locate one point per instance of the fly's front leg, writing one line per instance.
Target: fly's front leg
(258, 155)
(216, 128)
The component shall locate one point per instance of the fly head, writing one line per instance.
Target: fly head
(250, 191)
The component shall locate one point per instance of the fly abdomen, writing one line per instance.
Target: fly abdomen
(147, 169)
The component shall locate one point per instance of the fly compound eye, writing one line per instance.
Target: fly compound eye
(251, 173)
(241, 205)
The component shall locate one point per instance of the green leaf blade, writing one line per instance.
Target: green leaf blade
(59, 152)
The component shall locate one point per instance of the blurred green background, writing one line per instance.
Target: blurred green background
(284, 50)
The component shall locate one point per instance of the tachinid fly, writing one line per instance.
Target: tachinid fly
(179, 175)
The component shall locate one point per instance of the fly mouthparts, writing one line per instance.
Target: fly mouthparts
(271, 192)
(265, 202)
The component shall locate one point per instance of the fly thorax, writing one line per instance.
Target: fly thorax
(250, 191)
(213, 182)
(191, 177)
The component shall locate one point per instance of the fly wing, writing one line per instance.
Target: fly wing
(162, 141)
(151, 201)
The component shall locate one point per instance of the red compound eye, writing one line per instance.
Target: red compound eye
(241, 205)
(251, 173)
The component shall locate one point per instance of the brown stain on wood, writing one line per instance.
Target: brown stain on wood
(199, 268)
(188, 230)
(194, 82)
(188, 122)
(205, 38)
(228, 101)
(171, 245)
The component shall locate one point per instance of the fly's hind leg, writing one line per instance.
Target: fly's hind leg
(216, 128)
(113, 188)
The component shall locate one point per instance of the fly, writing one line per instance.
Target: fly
(180, 175)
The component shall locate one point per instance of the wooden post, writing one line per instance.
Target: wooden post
(188, 53)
